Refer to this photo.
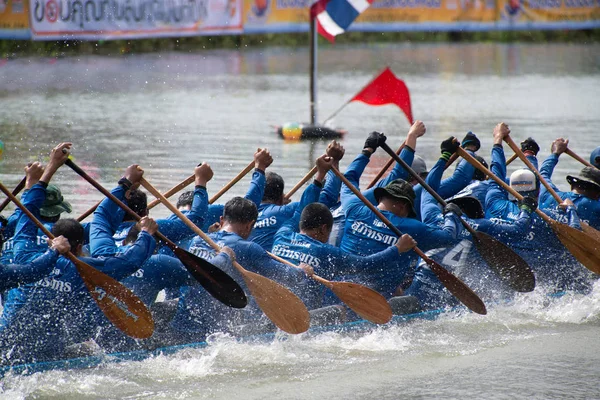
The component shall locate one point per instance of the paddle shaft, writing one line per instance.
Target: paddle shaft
(424, 184)
(306, 178)
(108, 194)
(499, 181)
(385, 167)
(581, 160)
(511, 159)
(533, 169)
(15, 192)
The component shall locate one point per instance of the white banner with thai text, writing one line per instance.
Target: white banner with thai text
(123, 19)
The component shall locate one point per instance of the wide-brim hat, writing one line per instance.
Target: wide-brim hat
(588, 178)
(399, 189)
(469, 205)
(55, 204)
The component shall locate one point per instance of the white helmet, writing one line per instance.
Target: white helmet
(524, 182)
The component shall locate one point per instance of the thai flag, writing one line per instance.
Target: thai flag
(335, 16)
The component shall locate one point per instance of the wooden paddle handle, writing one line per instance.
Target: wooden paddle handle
(173, 190)
(511, 159)
(575, 156)
(232, 182)
(15, 192)
(533, 169)
(111, 196)
(306, 178)
(385, 168)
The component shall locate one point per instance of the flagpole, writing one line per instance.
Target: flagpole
(349, 101)
(313, 71)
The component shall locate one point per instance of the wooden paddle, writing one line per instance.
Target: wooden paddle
(216, 282)
(278, 303)
(385, 168)
(364, 301)
(507, 264)
(454, 285)
(510, 160)
(187, 181)
(15, 192)
(581, 160)
(306, 178)
(125, 310)
(583, 247)
(584, 225)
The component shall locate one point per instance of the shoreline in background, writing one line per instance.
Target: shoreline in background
(18, 48)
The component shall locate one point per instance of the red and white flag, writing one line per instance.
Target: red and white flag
(335, 16)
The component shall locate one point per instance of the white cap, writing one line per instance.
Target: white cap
(522, 180)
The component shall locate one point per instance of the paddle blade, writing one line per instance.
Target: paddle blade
(125, 310)
(590, 231)
(278, 303)
(216, 282)
(581, 245)
(364, 301)
(507, 264)
(458, 288)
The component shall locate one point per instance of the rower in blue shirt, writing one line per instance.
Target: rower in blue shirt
(173, 228)
(51, 314)
(461, 257)
(358, 166)
(540, 244)
(585, 188)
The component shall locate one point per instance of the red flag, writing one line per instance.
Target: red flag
(386, 89)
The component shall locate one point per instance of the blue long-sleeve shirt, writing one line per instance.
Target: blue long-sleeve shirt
(51, 311)
(450, 186)
(332, 263)
(587, 209)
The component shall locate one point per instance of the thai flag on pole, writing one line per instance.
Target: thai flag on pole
(335, 16)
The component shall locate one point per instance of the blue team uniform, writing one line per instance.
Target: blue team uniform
(55, 311)
(331, 263)
(587, 209)
(463, 174)
(461, 258)
(540, 248)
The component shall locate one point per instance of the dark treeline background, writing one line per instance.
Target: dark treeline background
(16, 48)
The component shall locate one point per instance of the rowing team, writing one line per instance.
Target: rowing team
(334, 231)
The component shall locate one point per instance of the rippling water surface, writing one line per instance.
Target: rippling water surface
(170, 111)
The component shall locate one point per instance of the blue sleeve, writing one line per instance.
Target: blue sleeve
(13, 275)
(268, 267)
(546, 199)
(398, 172)
(256, 190)
(353, 174)
(310, 195)
(176, 229)
(331, 191)
(126, 263)
(26, 231)
(573, 217)
(501, 228)
(496, 196)
(105, 222)
(462, 176)
(348, 264)
(430, 208)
